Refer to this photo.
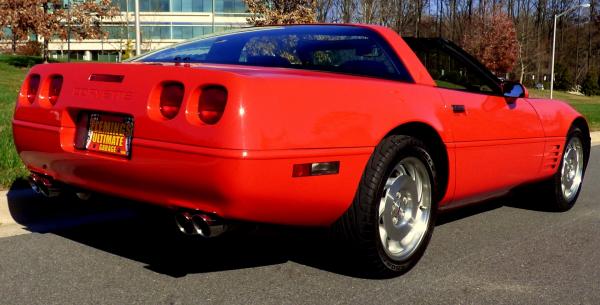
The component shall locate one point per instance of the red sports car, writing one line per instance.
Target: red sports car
(312, 125)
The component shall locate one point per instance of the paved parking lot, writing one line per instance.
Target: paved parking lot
(109, 251)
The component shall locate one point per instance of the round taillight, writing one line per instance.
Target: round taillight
(56, 82)
(171, 97)
(212, 104)
(32, 87)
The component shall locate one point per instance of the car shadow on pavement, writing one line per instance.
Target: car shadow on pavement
(147, 234)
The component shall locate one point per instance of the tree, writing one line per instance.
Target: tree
(81, 21)
(48, 19)
(16, 16)
(493, 40)
(271, 12)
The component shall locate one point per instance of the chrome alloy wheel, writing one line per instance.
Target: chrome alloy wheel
(405, 208)
(572, 169)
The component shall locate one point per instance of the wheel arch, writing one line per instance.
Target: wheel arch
(432, 139)
(582, 124)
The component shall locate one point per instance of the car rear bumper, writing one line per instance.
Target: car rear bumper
(234, 184)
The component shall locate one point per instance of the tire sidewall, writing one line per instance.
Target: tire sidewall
(411, 147)
(562, 203)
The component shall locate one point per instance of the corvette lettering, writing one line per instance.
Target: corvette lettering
(113, 95)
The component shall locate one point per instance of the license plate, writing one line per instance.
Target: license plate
(109, 133)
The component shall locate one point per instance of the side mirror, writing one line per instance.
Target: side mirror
(514, 90)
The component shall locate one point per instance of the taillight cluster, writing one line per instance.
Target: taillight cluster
(51, 87)
(33, 84)
(211, 102)
(171, 97)
(56, 82)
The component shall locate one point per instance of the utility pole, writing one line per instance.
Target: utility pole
(213, 16)
(138, 34)
(69, 31)
(554, 44)
(127, 15)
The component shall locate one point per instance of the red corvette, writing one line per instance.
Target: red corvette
(312, 125)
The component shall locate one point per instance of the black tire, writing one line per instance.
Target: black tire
(359, 225)
(555, 199)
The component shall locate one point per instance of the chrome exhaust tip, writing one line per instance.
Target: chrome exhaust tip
(208, 226)
(202, 224)
(84, 196)
(44, 185)
(184, 223)
(33, 184)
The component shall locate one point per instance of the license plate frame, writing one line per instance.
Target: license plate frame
(108, 133)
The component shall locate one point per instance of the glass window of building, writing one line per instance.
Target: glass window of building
(156, 32)
(230, 6)
(155, 6)
(123, 5)
(192, 5)
(188, 32)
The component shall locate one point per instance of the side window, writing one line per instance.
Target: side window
(452, 72)
(362, 57)
(357, 55)
(337, 49)
(274, 51)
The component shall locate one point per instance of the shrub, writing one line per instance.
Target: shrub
(562, 78)
(590, 85)
(31, 48)
(22, 61)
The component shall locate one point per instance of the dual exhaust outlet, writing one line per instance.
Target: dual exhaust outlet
(198, 223)
(44, 185)
(188, 222)
(49, 187)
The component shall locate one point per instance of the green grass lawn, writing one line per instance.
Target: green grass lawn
(11, 167)
(589, 106)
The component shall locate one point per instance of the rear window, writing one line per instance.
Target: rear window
(340, 49)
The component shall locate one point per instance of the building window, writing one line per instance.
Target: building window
(188, 32)
(154, 6)
(123, 5)
(192, 5)
(221, 6)
(156, 32)
(231, 6)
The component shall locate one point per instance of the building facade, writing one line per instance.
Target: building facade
(163, 22)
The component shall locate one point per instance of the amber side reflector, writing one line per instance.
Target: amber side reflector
(32, 87)
(56, 82)
(108, 78)
(171, 97)
(316, 169)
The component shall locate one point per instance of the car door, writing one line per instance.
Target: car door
(498, 141)
(498, 144)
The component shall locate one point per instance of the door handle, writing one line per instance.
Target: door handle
(459, 109)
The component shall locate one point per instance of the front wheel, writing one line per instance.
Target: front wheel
(393, 214)
(566, 184)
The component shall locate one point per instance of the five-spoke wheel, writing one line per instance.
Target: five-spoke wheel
(405, 208)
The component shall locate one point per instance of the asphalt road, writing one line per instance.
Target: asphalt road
(508, 251)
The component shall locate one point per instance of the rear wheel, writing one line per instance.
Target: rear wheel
(392, 216)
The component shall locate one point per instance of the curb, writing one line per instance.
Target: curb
(595, 138)
(8, 226)
(5, 216)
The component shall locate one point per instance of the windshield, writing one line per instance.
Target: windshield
(341, 49)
